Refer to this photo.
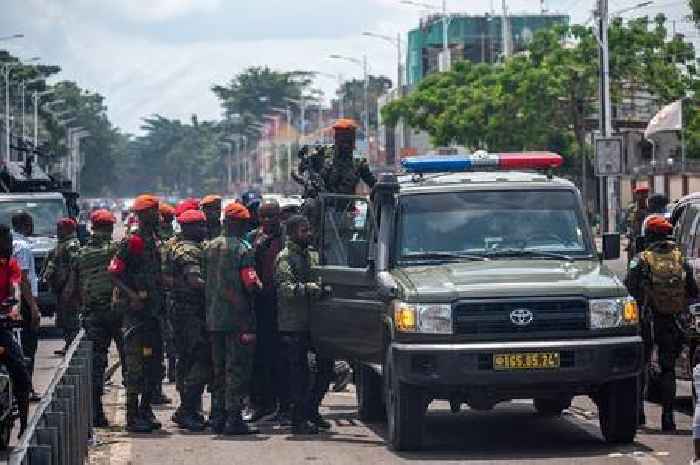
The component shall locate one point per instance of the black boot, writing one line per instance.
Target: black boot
(99, 419)
(305, 427)
(217, 418)
(235, 426)
(147, 414)
(135, 422)
(190, 419)
(667, 422)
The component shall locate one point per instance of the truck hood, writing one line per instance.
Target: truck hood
(447, 282)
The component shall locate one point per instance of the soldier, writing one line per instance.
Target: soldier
(269, 381)
(166, 232)
(211, 206)
(660, 279)
(56, 274)
(229, 275)
(102, 323)
(297, 288)
(136, 272)
(343, 173)
(635, 217)
(194, 365)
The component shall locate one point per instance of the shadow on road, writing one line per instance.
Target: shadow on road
(511, 432)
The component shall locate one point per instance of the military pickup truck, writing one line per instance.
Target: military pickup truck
(475, 287)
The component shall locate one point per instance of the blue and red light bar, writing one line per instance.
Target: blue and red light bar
(482, 161)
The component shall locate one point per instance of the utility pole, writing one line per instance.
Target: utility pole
(608, 184)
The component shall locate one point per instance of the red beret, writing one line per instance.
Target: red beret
(67, 223)
(166, 209)
(145, 202)
(641, 189)
(236, 211)
(102, 216)
(345, 124)
(187, 204)
(210, 200)
(191, 216)
(659, 225)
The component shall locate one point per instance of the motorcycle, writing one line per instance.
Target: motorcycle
(9, 407)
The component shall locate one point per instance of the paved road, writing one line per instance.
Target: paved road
(512, 431)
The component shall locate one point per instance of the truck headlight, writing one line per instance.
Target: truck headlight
(613, 313)
(423, 318)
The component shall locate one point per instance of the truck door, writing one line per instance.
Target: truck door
(347, 323)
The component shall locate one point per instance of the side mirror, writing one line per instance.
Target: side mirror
(357, 253)
(611, 246)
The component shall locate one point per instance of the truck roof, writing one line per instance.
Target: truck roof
(475, 180)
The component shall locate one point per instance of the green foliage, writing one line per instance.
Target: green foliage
(695, 8)
(541, 99)
(352, 93)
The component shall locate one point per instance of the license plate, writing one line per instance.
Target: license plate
(526, 361)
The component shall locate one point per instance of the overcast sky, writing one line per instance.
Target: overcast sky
(162, 56)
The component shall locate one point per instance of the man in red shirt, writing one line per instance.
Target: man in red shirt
(11, 355)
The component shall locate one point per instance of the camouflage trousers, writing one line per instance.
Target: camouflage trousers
(143, 349)
(169, 346)
(192, 345)
(102, 326)
(68, 319)
(232, 365)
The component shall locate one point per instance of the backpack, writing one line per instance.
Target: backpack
(666, 293)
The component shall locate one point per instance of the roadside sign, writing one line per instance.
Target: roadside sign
(608, 156)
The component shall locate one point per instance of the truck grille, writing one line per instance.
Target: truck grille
(494, 316)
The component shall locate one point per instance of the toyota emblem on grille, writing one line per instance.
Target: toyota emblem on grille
(521, 316)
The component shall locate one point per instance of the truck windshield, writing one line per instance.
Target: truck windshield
(492, 223)
(45, 213)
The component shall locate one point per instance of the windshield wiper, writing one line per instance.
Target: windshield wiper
(531, 253)
(443, 256)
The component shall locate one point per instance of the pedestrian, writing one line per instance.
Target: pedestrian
(23, 226)
(663, 282)
(136, 272)
(211, 206)
(102, 323)
(12, 356)
(56, 273)
(269, 384)
(636, 213)
(299, 287)
(189, 321)
(230, 278)
(165, 233)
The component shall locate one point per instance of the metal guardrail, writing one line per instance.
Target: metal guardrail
(59, 431)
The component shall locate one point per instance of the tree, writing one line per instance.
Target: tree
(352, 93)
(695, 8)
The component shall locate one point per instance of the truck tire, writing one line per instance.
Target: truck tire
(619, 410)
(368, 390)
(551, 407)
(405, 410)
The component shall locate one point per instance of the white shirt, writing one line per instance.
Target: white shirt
(21, 250)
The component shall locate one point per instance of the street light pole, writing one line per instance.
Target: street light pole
(35, 100)
(6, 69)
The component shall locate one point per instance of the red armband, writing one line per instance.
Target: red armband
(136, 245)
(249, 277)
(116, 266)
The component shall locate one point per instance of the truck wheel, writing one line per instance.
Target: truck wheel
(619, 410)
(368, 387)
(405, 410)
(551, 407)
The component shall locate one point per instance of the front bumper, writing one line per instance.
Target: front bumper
(585, 365)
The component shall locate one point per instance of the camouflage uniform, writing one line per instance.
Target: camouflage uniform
(298, 286)
(228, 317)
(140, 253)
(56, 274)
(189, 325)
(635, 220)
(168, 239)
(658, 328)
(102, 323)
(344, 172)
